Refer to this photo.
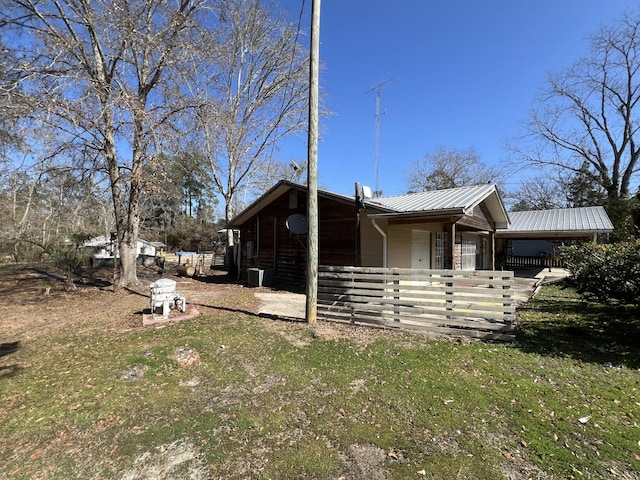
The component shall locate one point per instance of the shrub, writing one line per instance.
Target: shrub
(606, 273)
(67, 256)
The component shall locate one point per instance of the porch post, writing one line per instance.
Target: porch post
(452, 244)
(492, 248)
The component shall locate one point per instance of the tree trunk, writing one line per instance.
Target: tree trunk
(128, 273)
(228, 216)
(69, 284)
(233, 268)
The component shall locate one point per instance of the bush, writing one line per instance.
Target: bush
(606, 273)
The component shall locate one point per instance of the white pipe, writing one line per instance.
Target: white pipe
(238, 253)
(384, 241)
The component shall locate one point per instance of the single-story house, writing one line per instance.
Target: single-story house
(464, 228)
(104, 249)
(442, 229)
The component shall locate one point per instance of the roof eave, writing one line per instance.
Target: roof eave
(259, 203)
(505, 232)
(278, 189)
(420, 213)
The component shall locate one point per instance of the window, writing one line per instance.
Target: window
(468, 252)
(441, 242)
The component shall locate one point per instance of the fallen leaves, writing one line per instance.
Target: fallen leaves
(446, 401)
(395, 455)
(584, 419)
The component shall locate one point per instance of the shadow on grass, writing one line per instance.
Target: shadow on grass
(9, 370)
(216, 278)
(8, 348)
(223, 278)
(557, 322)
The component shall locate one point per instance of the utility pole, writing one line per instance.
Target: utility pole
(377, 89)
(312, 171)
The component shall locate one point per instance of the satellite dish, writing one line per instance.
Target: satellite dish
(366, 191)
(297, 223)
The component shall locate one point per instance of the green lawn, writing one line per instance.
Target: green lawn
(269, 401)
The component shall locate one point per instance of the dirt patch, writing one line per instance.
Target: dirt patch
(37, 304)
(177, 460)
(134, 373)
(365, 461)
(186, 356)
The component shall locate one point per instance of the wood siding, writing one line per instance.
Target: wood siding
(371, 241)
(479, 219)
(275, 247)
(266, 243)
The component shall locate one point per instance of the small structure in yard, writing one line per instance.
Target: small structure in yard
(104, 249)
(167, 305)
(164, 296)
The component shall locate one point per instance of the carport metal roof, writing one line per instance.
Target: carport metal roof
(562, 222)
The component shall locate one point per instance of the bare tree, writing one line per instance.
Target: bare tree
(588, 115)
(41, 203)
(449, 168)
(97, 71)
(254, 94)
(263, 178)
(538, 193)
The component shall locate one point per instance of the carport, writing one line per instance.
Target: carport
(533, 237)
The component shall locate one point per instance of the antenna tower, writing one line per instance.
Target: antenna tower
(377, 89)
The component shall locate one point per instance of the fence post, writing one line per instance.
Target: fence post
(396, 297)
(449, 297)
(506, 296)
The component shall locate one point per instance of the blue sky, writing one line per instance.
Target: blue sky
(463, 73)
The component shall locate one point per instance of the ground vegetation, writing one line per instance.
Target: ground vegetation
(87, 391)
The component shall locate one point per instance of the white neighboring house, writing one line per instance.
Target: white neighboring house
(104, 249)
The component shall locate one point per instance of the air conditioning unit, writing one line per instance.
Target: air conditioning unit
(258, 277)
(268, 277)
(254, 277)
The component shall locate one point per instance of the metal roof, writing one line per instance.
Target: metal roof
(452, 201)
(274, 192)
(461, 198)
(583, 219)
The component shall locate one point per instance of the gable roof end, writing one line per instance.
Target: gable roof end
(276, 191)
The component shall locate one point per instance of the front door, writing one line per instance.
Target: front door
(420, 249)
(485, 253)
